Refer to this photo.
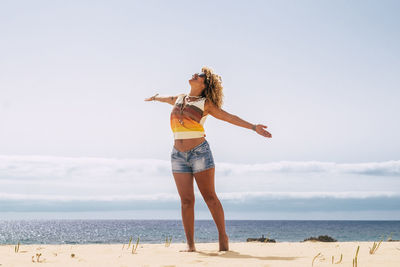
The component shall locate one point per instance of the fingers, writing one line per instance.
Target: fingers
(263, 132)
(151, 98)
(266, 134)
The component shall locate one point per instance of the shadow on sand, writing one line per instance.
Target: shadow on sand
(237, 255)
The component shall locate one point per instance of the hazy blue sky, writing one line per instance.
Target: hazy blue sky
(323, 75)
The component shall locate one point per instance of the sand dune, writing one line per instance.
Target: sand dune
(281, 254)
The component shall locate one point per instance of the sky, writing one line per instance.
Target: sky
(78, 141)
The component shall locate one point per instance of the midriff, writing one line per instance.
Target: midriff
(184, 145)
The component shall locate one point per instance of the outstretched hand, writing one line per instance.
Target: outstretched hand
(151, 98)
(260, 130)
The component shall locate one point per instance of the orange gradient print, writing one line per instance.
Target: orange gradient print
(187, 120)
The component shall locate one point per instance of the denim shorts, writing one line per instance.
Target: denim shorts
(195, 160)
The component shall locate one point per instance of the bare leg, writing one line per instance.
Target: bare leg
(184, 184)
(205, 182)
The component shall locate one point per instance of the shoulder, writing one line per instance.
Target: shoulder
(178, 97)
(209, 106)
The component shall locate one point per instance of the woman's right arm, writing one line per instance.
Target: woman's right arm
(166, 99)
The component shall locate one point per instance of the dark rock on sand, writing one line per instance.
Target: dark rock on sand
(321, 238)
(261, 239)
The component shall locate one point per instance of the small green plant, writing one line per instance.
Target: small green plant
(339, 261)
(168, 242)
(316, 256)
(135, 247)
(37, 258)
(375, 246)
(16, 248)
(355, 259)
(130, 240)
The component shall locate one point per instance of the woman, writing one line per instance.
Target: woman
(191, 155)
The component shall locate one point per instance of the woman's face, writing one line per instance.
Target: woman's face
(197, 81)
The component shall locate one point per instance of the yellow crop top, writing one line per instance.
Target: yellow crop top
(187, 121)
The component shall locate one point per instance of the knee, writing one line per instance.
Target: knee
(211, 199)
(187, 202)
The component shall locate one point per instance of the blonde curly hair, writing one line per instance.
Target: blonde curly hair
(213, 90)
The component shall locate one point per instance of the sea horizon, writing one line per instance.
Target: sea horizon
(110, 231)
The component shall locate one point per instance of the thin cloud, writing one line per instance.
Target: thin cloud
(45, 183)
(148, 197)
(45, 167)
(42, 167)
(388, 168)
(223, 195)
(250, 202)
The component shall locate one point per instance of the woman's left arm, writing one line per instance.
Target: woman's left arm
(221, 114)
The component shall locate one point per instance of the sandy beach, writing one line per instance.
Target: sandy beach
(241, 254)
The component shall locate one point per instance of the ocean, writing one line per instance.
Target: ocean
(156, 231)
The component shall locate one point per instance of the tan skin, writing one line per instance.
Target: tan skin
(204, 179)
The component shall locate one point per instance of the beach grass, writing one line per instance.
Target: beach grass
(316, 256)
(135, 247)
(375, 247)
(129, 244)
(168, 242)
(16, 248)
(38, 260)
(339, 261)
(130, 241)
(355, 259)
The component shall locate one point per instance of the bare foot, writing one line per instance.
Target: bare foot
(190, 249)
(223, 243)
